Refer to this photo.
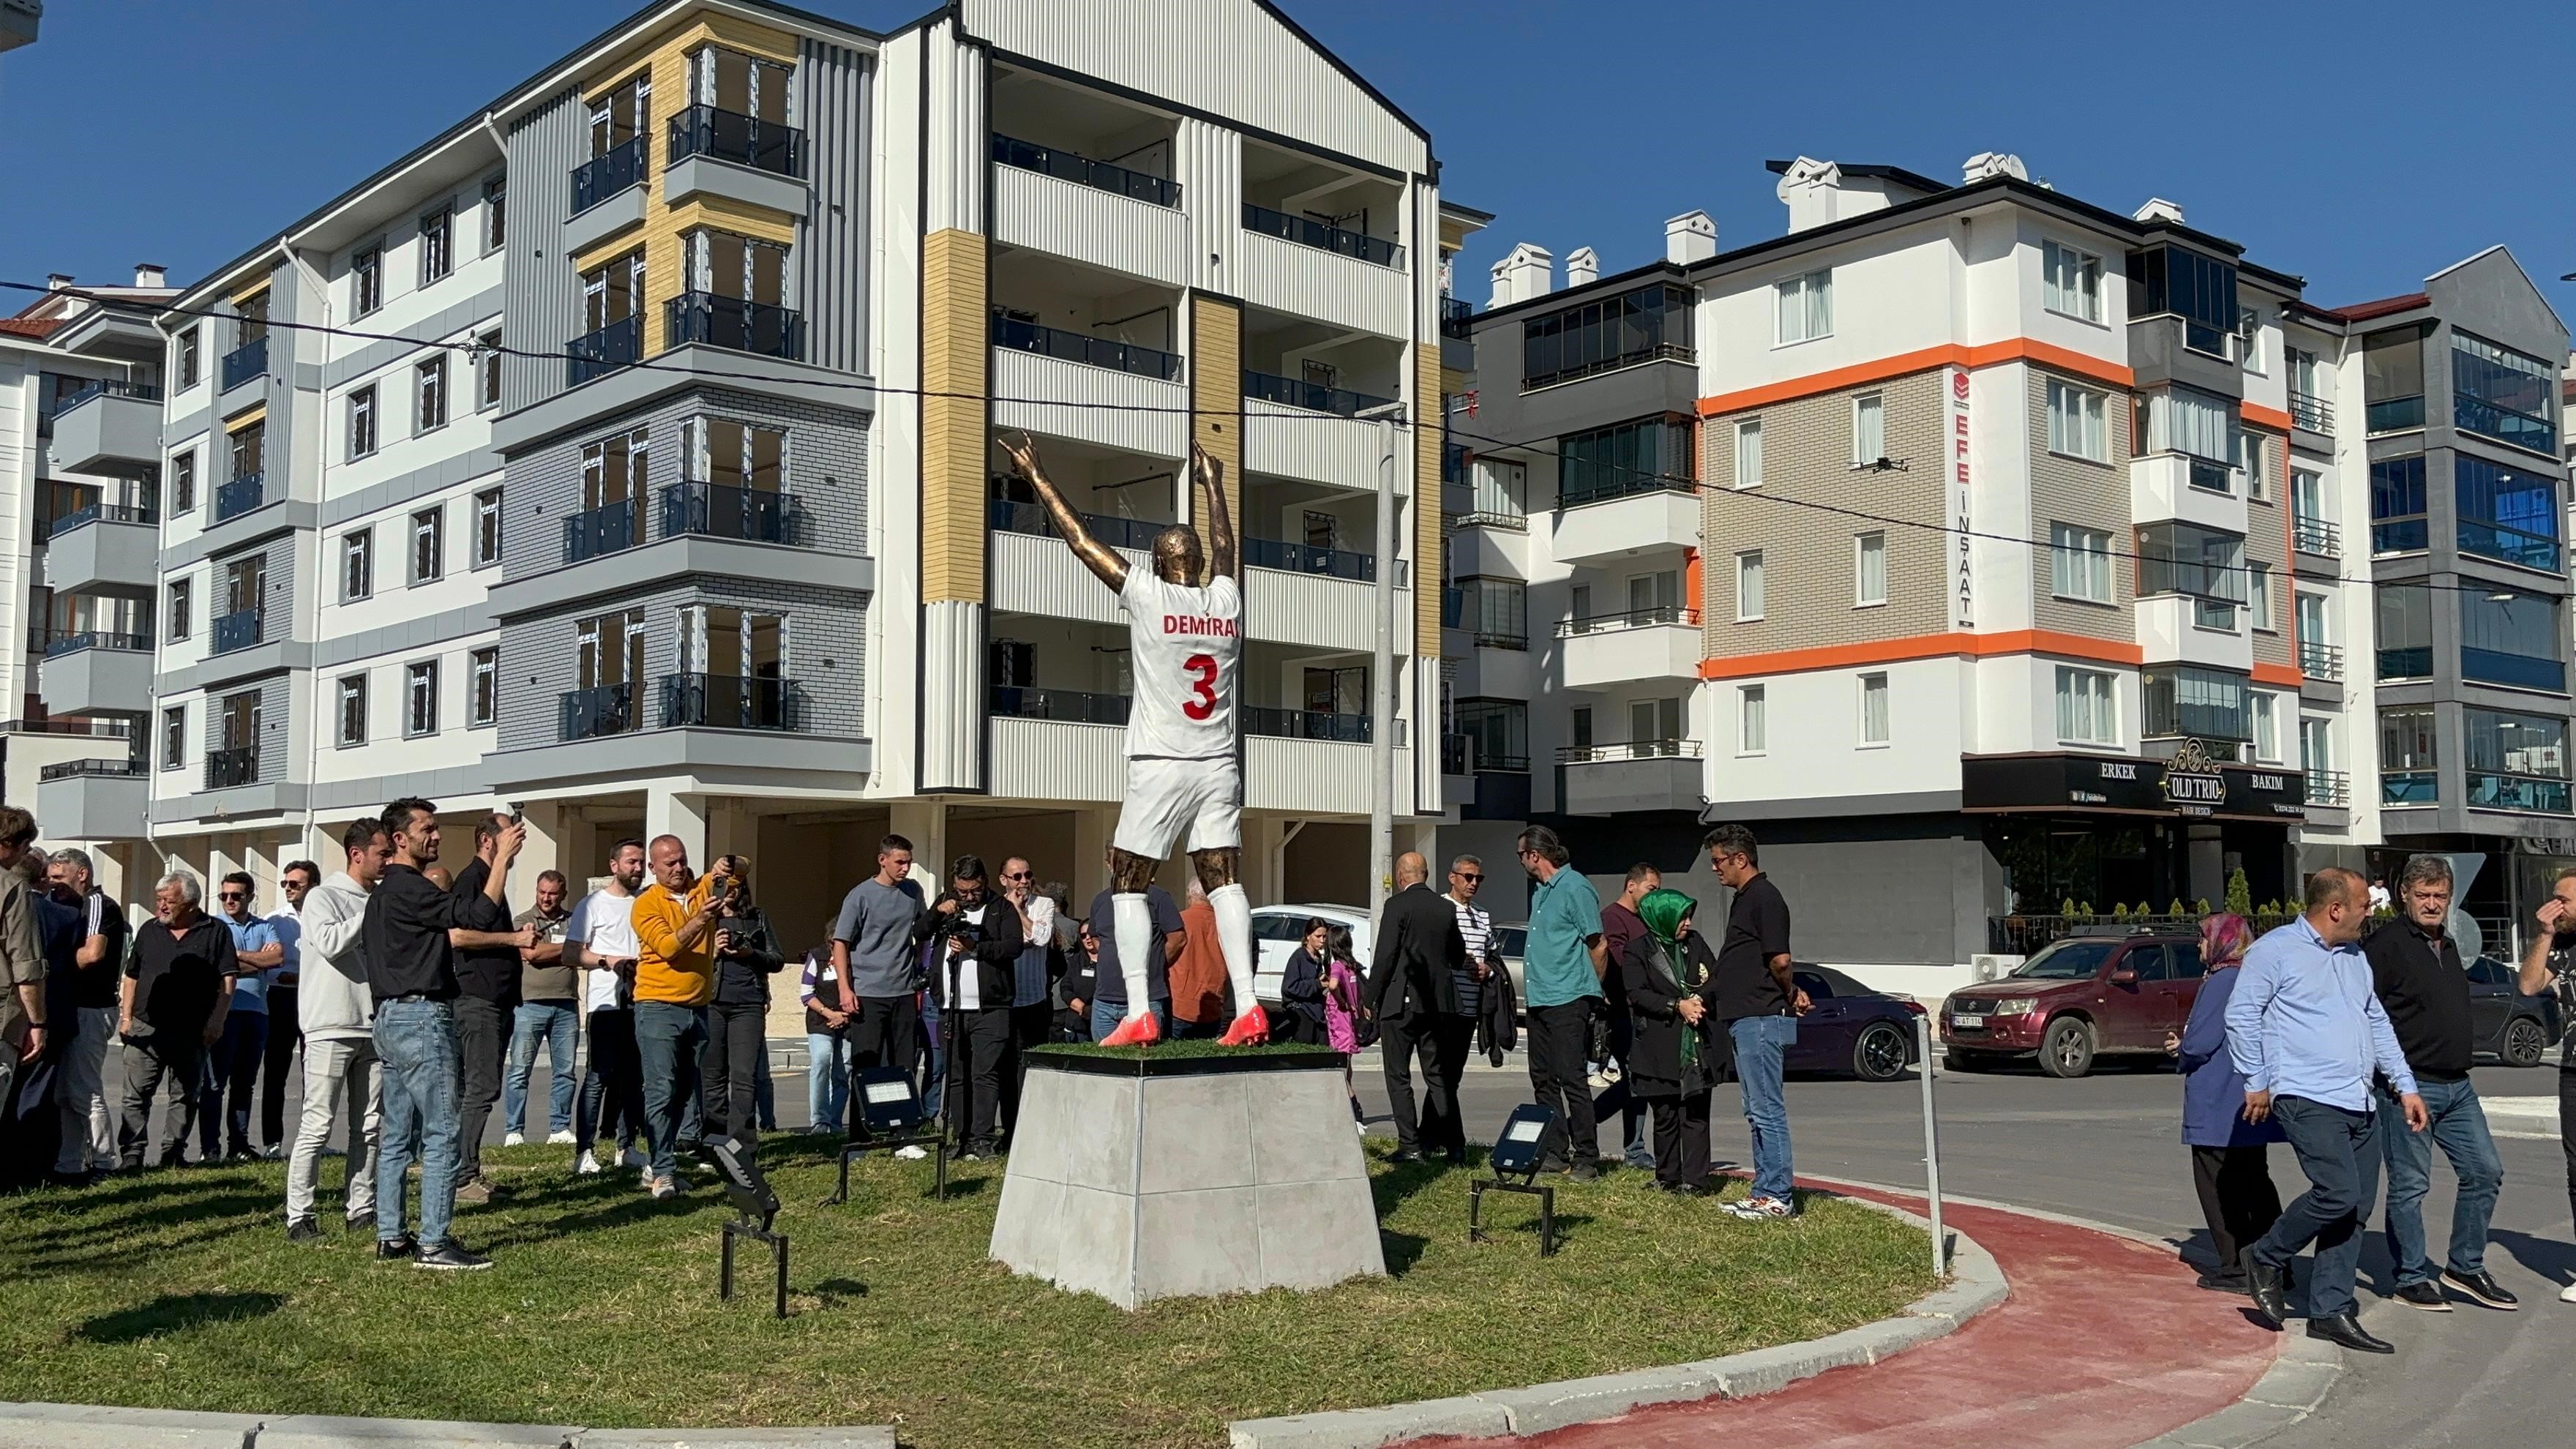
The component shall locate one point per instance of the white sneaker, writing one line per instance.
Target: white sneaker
(1758, 1209)
(560, 1139)
(588, 1166)
(2567, 1294)
(911, 1154)
(514, 1139)
(664, 1189)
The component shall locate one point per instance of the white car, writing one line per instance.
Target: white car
(1277, 930)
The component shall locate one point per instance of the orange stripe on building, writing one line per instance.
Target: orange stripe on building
(2285, 675)
(2019, 349)
(2048, 354)
(2264, 417)
(1922, 646)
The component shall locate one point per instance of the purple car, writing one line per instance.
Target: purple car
(1851, 1029)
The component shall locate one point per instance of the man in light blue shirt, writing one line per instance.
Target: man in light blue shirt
(2306, 1028)
(232, 1068)
(1562, 964)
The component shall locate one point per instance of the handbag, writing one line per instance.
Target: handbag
(1363, 1025)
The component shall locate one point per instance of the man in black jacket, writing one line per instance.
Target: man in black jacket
(978, 937)
(2415, 966)
(1413, 992)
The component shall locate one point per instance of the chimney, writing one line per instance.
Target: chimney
(2158, 209)
(151, 274)
(1986, 165)
(1527, 271)
(1582, 265)
(56, 281)
(1690, 237)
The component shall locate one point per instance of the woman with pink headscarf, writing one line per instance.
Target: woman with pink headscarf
(2230, 1157)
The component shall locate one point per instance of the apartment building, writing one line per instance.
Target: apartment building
(628, 452)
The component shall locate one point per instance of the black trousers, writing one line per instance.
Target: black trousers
(1558, 1036)
(885, 1033)
(1438, 1039)
(2567, 1127)
(2236, 1198)
(482, 1037)
(285, 1038)
(1681, 1138)
(729, 1068)
(978, 1053)
(612, 1087)
(1031, 1026)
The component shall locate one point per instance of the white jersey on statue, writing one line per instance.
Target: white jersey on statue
(1185, 657)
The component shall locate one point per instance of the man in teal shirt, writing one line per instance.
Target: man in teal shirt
(1561, 968)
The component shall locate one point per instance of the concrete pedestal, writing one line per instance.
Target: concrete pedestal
(1166, 1176)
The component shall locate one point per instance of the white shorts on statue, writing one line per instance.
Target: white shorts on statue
(1196, 802)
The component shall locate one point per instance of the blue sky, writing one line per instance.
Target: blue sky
(1576, 123)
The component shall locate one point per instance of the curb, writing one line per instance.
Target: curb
(2291, 1391)
(1976, 1284)
(90, 1426)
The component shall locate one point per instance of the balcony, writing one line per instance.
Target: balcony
(718, 511)
(1508, 522)
(619, 344)
(232, 769)
(2316, 536)
(1622, 519)
(1299, 558)
(245, 362)
(1321, 237)
(2177, 487)
(703, 130)
(237, 630)
(725, 701)
(1064, 706)
(2517, 429)
(607, 529)
(102, 513)
(2507, 544)
(2409, 787)
(2519, 671)
(1098, 175)
(2393, 415)
(93, 799)
(1653, 775)
(1137, 534)
(1312, 397)
(2534, 794)
(1309, 724)
(2312, 413)
(1107, 407)
(595, 713)
(1608, 649)
(2400, 535)
(2320, 661)
(2329, 787)
(104, 546)
(1457, 754)
(61, 644)
(239, 496)
(96, 672)
(608, 173)
(105, 424)
(1457, 317)
(1055, 342)
(735, 323)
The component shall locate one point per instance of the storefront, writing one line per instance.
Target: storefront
(2104, 831)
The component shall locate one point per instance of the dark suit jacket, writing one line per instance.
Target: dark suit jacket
(1415, 961)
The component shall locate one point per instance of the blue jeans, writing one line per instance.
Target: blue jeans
(668, 1038)
(827, 1079)
(2339, 1151)
(1105, 1016)
(1761, 1046)
(2460, 1126)
(558, 1025)
(232, 1068)
(416, 1058)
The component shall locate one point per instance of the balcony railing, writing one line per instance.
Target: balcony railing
(114, 729)
(718, 510)
(2409, 787)
(1301, 558)
(2394, 415)
(237, 630)
(2317, 536)
(1661, 615)
(1077, 347)
(606, 174)
(101, 387)
(770, 146)
(1290, 392)
(619, 344)
(1098, 175)
(2320, 661)
(727, 701)
(1310, 724)
(2400, 535)
(227, 769)
(1457, 317)
(597, 712)
(736, 323)
(244, 363)
(603, 530)
(1065, 706)
(2507, 544)
(1320, 236)
(2312, 413)
(1005, 516)
(2522, 430)
(1487, 638)
(2493, 791)
(84, 769)
(1457, 754)
(1676, 749)
(103, 513)
(1508, 522)
(2329, 787)
(239, 496)
(62, 644)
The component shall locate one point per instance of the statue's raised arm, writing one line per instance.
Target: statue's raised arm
(1103, 561)
(1209, 475)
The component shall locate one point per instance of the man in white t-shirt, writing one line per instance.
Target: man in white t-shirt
(601, 934)
(1184, 761)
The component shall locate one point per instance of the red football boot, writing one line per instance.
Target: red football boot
(1250, 1029)
(1135, 1031)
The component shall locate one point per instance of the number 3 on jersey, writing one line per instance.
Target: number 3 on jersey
(1202, 669)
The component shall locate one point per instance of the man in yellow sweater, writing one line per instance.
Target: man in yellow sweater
(675, 929)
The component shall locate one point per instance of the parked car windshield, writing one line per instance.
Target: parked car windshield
(2068, 960)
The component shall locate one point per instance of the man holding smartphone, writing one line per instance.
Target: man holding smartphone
(2550, 964)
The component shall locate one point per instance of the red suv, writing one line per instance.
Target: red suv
(2079, 998)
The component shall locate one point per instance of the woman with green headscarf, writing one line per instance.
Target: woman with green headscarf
(1675, 1060)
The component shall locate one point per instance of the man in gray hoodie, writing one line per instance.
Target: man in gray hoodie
(336, 1012)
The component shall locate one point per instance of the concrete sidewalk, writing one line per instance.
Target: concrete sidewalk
(2105, 1342)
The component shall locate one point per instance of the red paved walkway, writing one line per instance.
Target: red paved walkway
(2104, 1342)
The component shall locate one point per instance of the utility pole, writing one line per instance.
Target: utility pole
(1387, 417)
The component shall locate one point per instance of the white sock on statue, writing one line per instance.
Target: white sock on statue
(1132, 928)
(1234, 938)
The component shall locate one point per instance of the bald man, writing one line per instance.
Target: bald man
(675, 927)
(1412, 989)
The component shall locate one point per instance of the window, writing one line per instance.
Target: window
(483, 701)
(1748, 586)
(2206, 704)
(1638, 457)
(428, 545)
(1869, 428)
(191, 367)
(1873, 709)
(367, 281)
(487, 370)
(432, 412)
(353, 710)
(1748, 453)
(249, 445)
(2267, 728)
(2258, 482)
(420, 708)
(437, 244)
(2186, 420)
(1869, 570)
(2076, 422)
(613, 291)
(1501, 488)
(174, 737)
(2087, 706)
(1655, 722)
(181, 591)
(2397, 506)
(2315, 740)
(183, 482)
(2258, 595)
(357, 565)
(496, 213)
(2200, 290)
(2311, 391)
(1497, 731)
(362, 422)
(2407, 759)
(2514, 638)
(2079, 563)
(2392, 379)
(2511, 514)
(1752, 724)
(487, 527)
(2249, 338)
(1496, 611)
(1613, 332)
(2502, 394)
(740, 455)
(2515, 761)
(1579, 728)
(2311, 619)
(2402, 627)
(2073, 282)
(1804, 307)
(2209, 566)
